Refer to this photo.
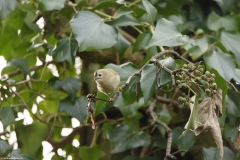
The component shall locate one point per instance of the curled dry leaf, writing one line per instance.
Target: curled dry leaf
(208, 111)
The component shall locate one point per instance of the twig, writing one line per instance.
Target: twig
(4, 133)
(169, 131)
(166, 101)
(236, 90)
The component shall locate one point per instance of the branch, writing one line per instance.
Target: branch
(233, 87)
(4, 133)
(169, 131)
(166, 101)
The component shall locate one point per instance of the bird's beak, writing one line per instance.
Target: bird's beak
(95, 79)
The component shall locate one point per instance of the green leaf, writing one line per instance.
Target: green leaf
(148, 82)
(75, 108)
(26, 135)
(183, 143)
(49, 106)
(4, 148)
(130, 111)
(7, 116)
(86, 153)
(141, 41)
(93, 34)
(123, 138)
(222, 62)
(167, 34)
(231, 43)
(46, 5)
(215, 22)
(122, 44)
(165, 77)
(151, 11)
(212, 153)
(7, 6)
(123, 11)
(236, 77)
(124, 20)
(65, 49)
(193, 118)
(69, 85)
(106, 4)
(21, 64)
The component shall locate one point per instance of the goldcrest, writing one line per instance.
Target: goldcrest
(107, 80)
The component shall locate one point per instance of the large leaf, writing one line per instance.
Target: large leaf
(215, 22)
(7, 116)
(141, 41)
(85, 150)
(4, 147)
(222, 62)
(106, 4)
(69, 85)
(27, 134)
(231, 42)
(65, 49)
(123, 138)
(123, 11)
(151, 11)
(74, 107)
(46, 5)
(167, 34)
(21, 64)
(91, 32)
(148, 81)
(6, 6)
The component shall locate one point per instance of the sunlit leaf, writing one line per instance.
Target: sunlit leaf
(85, 150)
(6, 6)
(151, 11)
(93, 34)
(167, 34)
(46, 5)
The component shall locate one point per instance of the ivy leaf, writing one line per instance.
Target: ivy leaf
(231, 43)
(26, 135)
(151, 11)
(167, 34)
(69, 85)
(74, 107)
(46, 5)
(5, 148)
(65, 49)
(222, 62)
(148, 82)
(215, 22)
(7, 116)
(18, 155)
(7, 6)
(123, 137)
(123, 11)
(21, 64)
(106, 4)
(93, 34)
(141, 41)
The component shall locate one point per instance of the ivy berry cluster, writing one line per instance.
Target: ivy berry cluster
(192, 78)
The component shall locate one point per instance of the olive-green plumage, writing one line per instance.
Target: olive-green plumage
(107, 80)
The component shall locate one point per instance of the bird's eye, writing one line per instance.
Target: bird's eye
(100, 75)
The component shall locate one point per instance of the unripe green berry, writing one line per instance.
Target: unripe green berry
(211, 80)
(200, 69)
(185, 66)
(206, 84)
(207, 91)
(214, 86)
(214, 91)
(178, 82)
(200, 100)
(213, 75)
(186, 104)
(198, 79)
(203, 77)
(207, 73)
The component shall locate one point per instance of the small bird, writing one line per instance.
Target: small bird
(107, 80)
